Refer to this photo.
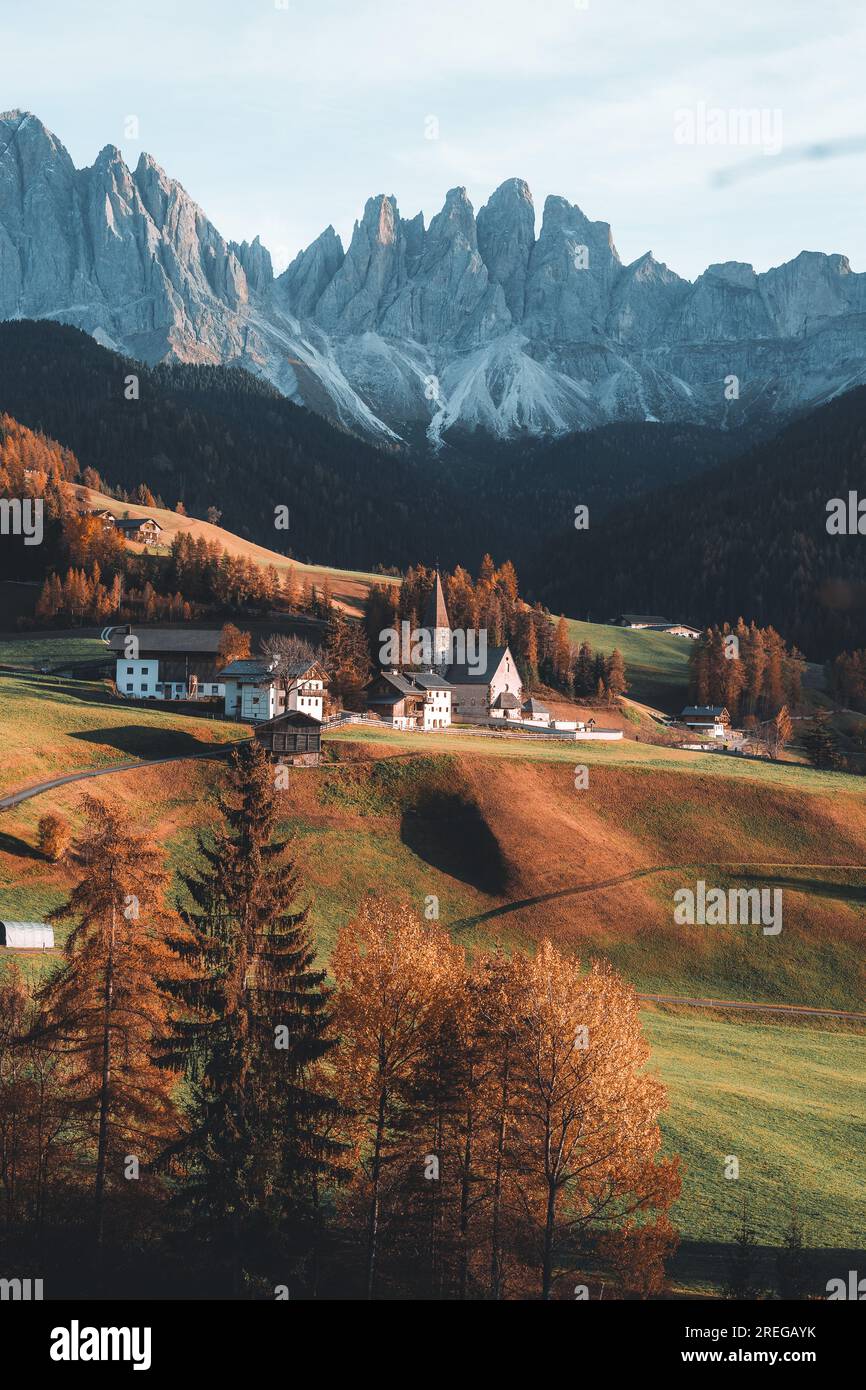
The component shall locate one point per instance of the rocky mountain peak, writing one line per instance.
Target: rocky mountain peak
(518, 333)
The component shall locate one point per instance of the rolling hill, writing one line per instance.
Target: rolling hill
(496, 830)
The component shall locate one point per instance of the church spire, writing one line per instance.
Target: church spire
(435, 611)
(437, 624)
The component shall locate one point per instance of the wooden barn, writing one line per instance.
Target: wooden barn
(291, 738)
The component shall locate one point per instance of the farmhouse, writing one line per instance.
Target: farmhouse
(139, 528)
(437, 699)
(410, 700)
(166, 663)
(653, 623)
(292, 737)
(255, 691)
(26, 936)
(710, 719)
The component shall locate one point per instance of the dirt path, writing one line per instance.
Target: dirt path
(788, 1010)
(632, 874)
(690, 1001)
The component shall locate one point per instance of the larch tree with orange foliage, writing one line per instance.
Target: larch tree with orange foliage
(589, 1132)
(108, 1004)
(396, 979)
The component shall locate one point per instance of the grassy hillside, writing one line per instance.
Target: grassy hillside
(349, 587)
(51, 726)
(497, 831)
(782, 1100)
(657, 664)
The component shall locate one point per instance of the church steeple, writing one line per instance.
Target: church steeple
(435, 611)
(437, 623)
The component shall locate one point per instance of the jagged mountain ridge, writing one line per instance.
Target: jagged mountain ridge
(470, 323)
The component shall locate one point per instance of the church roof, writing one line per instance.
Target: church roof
(435, 612)
(466, 673)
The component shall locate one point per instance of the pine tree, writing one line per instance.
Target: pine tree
(820, 743)
(257, 1146)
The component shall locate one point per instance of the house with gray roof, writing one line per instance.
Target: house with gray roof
(410, 699)
(255, 690)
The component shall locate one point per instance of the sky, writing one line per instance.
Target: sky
(282, 116)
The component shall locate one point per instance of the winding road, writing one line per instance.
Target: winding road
(15, 798)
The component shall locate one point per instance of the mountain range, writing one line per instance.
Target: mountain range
(472, 323)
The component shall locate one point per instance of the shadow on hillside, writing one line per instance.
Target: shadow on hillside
(138, 740)
(710, 1261)
(450, 833)
(10, 844)
(819, 887)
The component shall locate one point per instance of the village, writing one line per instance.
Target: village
(287, 701)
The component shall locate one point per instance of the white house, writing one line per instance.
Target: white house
(166, 663)
(437, 699)
(255, 691)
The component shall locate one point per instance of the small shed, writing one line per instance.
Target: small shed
(535, 712)
(292, 737)
(26, 936)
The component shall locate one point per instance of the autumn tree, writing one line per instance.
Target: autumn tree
(562, 654)
(233, 645)
(615, 678)
(396, 976)
(108, 1004)
(590, 1135)
(780, 731)
(55, 837)
(346, 659)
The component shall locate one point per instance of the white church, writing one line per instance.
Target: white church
(467, 680)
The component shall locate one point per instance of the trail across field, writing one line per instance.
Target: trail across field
(787, 1010)
(632, 874)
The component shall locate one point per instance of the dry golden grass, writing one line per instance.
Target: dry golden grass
(349, 587)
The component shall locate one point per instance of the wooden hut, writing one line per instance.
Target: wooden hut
(291, 738)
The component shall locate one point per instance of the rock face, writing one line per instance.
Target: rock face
(470, 323)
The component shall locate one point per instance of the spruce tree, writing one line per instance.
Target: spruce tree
(257, 1145)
